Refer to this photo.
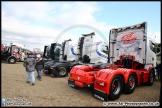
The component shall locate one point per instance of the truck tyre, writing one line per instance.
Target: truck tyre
(62, 71)
(151, 78)
(130, 87)
(11, 60)
(116, 87)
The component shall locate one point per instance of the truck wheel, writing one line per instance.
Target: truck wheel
(151, 78)
(131, 84)
(62, 71)
(116, 87)
(11, 60)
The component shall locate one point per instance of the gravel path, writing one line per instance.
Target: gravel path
(56, 92)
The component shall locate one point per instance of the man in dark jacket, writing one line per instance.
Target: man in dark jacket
(158, 69)
(39, 66)
(29, 64)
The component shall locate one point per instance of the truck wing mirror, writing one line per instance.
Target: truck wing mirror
(107, 48)
(158, 50)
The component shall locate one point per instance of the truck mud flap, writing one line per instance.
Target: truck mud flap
(100, 95)
(71, 83)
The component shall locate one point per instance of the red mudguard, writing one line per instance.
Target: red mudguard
(82, 76)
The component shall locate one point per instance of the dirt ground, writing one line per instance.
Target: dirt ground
(56, 91)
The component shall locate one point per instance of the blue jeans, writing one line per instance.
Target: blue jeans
(39, 74)
(28, 76)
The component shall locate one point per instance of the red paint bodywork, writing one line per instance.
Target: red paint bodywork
(2, 47)
(17, 54)
(83, 75)
(128, 38)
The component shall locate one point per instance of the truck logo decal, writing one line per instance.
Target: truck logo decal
(101, 98)
(128, 38)
(72, 51)
(87, 40)
(71, 85)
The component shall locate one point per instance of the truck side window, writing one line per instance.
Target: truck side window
(152, 46)
(57, 50)
(15, 49)
(104, 49)
(22, 50)
(48, 51)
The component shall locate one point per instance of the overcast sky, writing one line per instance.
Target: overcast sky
(35, 24)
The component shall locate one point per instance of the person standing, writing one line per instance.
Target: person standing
(29, 64)
(39, 66)
(158, 70)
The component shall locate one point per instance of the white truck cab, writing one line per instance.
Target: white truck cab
(68, 51)
(133, 40)
(88, 52)
(92, 51)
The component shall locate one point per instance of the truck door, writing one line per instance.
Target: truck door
(88, 48)
(52, 51)
(45, 51)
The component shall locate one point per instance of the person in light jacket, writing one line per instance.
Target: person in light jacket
(39, 66)
(29, 64)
